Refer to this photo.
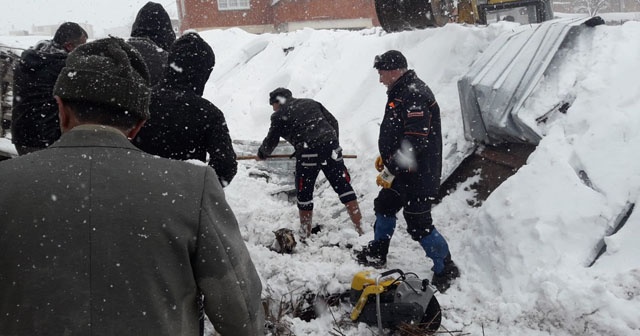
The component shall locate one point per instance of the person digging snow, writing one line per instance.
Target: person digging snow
(313, 132)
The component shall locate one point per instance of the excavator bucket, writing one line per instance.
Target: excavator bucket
(402, 15)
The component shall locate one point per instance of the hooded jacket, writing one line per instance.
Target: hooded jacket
(183, 125)
(152, 35)
(35, 112)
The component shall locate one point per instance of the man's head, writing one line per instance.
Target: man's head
(153, 22)
(278, 97)
(191, 61)
(391, 65)
(104, 82)
(70, 35)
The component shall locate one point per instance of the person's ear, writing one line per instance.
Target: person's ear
(134, 131)
(64, 115)
(68, 46)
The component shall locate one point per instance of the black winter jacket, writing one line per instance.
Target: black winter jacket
(35, 120)
(152, 35)
(183, 125)
(304, 123)
(410, 140)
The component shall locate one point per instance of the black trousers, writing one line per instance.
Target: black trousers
(309, 163)
(407, 193)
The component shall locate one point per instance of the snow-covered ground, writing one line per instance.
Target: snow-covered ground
(524, 254)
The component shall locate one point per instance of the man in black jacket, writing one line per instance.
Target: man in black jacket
(183, 125)
(410, 163)
(34, 123)
(313, 132)
(152, 35)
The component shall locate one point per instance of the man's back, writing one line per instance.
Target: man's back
(186, 126)
(117, 242)
(35, 114)
(305, 122)
(183, 124)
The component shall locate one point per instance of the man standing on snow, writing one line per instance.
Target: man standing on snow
(410, 161)
(34, 124)
(183, 124)
(152, 35)
(313, 132)
(98, 237)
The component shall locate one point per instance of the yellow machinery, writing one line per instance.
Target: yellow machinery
(388, 301)
(397, 15)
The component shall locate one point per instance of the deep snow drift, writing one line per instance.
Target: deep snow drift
(524, 254)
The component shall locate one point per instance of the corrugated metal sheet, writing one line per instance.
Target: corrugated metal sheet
(502, 78)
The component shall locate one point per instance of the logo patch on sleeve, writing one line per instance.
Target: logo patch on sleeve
(415, 114)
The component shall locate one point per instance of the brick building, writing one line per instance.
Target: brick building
(263, 16)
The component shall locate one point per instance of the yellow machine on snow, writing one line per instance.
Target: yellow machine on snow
(390, 302)
(398, 15)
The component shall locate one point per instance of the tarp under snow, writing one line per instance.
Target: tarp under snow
(501, 79)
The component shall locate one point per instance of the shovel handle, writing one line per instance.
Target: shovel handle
(285, 156)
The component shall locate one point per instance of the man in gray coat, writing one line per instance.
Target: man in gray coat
(99, 238)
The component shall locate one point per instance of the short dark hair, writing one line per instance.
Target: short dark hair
(69, 32)
(103, 114)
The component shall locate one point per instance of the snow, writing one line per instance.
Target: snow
(525, 253)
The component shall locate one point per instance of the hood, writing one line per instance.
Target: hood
(43, 54)
(154, 23)
(190, 63)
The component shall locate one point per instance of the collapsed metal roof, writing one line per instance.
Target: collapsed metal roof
(504, 76)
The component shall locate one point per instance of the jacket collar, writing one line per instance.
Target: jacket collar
(94, 136)
(405, 78)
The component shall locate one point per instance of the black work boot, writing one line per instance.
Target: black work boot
(442, 281)
(374, 254)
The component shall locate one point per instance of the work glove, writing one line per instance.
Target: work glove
(379, 164)
(260, 156)
(385, 179)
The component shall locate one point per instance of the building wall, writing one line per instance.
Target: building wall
(202, 14)
(310, 10)
(263, 16)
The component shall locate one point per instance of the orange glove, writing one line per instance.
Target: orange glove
(385, 179)
(379, 164)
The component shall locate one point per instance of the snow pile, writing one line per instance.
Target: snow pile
(525, 253)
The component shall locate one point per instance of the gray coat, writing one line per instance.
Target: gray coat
(99, 238)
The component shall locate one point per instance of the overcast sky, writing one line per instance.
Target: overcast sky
(102, 14)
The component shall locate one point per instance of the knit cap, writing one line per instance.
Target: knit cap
(107, 71)
(391, 60)
(279, 95)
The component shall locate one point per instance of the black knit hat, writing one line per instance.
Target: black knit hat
(391, 60)
(67, 32)
(107, 71)
(277, 95)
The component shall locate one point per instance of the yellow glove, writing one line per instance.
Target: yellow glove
(379, 164)
(385, 179)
